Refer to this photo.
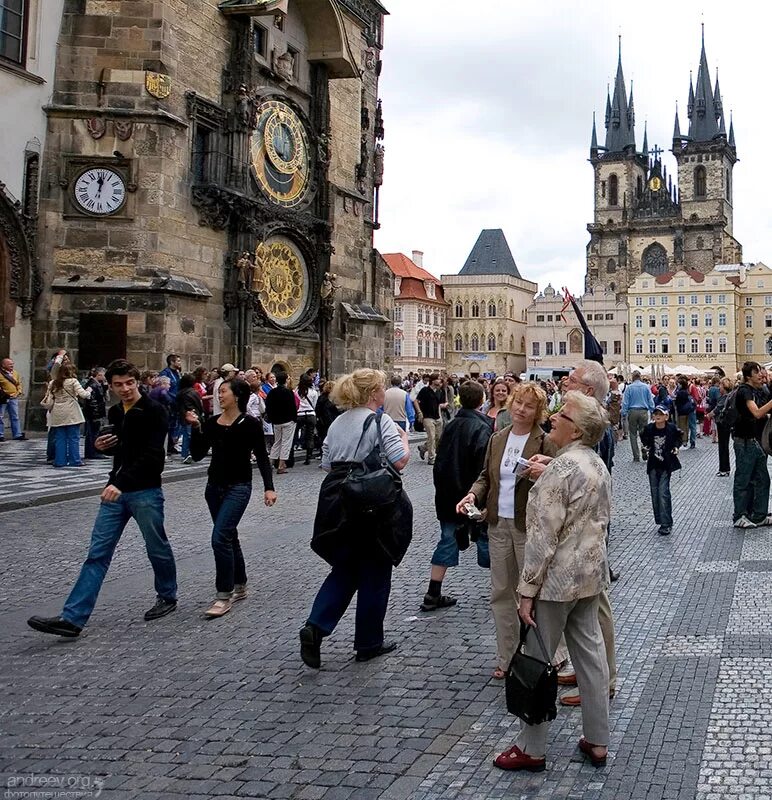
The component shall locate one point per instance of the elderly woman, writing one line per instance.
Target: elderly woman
(360, 548)
(565, 570)
(503, 492)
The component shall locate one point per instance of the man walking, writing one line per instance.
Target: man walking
(133, 491)
(10, 392)
(398, 405)
(460, 459)
(637, 404)
(431, 403)
(281, 411)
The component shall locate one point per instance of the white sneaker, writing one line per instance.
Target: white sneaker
(744, 522)
(767, 521)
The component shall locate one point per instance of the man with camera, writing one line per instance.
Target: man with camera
(460, 458)
(135, 438)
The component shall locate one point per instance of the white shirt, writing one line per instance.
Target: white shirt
(216, 407)
(507, 476)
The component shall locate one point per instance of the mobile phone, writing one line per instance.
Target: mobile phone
(522, 465)
(106, 430)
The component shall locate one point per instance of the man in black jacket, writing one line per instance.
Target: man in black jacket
(133, 491)
(281, 411)
(460, 458)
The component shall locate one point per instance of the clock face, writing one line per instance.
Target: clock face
(281, 280)
(655, 184)
(280, 155)
(99, 191)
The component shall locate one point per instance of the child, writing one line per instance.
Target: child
(662, 439)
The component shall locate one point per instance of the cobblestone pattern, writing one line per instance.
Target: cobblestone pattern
(184, 707)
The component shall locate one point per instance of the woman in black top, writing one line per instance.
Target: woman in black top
(233, 436)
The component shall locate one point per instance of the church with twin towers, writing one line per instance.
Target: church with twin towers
(646, 220)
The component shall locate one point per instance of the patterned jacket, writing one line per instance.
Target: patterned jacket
(566, 518)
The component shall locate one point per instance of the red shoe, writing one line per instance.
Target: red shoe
(587, 748)
(516, 759)
(569, 679)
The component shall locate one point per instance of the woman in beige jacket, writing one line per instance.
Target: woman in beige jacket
(502, 490)
(65, 416)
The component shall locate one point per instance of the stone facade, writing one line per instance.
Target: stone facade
(644, 222)
(246, 136)
(555, 339)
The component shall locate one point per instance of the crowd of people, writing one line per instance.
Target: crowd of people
(521, 469)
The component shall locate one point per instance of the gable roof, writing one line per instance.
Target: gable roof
(491, 256)
(403, 267)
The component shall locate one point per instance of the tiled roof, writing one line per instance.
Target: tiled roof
(666, 277)
(403, 267)
(491, 256)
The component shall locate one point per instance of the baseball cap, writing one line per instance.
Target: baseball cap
(661, 410)
(228, 368)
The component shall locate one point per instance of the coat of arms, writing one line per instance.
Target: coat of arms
(158, 85)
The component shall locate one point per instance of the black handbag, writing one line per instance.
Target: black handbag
(373, 484)
(531, 684)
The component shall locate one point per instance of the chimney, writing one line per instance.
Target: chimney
(418, 258)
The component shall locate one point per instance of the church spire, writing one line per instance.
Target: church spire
(676, 126)
(731, 131)
(620, 116)
(594, 141)
(704, 115)
(645, 150)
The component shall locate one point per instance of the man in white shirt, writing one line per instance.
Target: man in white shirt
(394, 403)
(226, 371)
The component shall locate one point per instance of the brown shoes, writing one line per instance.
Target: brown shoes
(591, 751)
(569, 679)
(574, 699)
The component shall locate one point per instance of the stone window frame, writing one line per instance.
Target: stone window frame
(21, 62)
(209, 117)
(682, 345)
(722, 344)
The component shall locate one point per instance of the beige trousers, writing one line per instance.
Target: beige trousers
(283, 434)
(433, 428)
(506, 543)
(578, 620)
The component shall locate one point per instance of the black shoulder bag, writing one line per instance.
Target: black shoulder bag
(531, 684)
(372, 484)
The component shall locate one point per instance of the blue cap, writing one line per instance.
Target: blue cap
(662, 410)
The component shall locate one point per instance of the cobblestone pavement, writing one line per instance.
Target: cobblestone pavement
(185, 707)
(29, 480)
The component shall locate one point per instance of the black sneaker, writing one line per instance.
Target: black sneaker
(160, 609)
(663, 531)
(55, 625)
(432, 603)
(310, 646)
(367, 655)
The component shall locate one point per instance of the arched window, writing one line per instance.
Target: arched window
(459, 343)
(491, 309)
(511, 344)
(491, 342)
(475, 309)
(613, 190)
(655, 259)
(611, 266)
(700, 183)
(475, 342)
(639, 186)
(522, 344)
(511, 309)
(459, 309)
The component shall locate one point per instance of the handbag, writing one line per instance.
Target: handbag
(372, 484)
(531, 684)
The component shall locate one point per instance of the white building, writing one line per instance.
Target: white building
(29, 30)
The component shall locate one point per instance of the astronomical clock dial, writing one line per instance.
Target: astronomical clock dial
(99, 191)
(655, 184)
(280, 154)
(281, 280)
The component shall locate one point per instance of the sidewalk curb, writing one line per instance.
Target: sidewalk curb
(91, 488)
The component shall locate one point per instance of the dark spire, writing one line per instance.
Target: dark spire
(703, 116)
(717, 99)
(676, 126)
(645, 150)
(731, 130)
(620, 117)
(690, 104)
(594, 142)
(608, 107)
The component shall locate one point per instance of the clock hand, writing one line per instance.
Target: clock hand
(100, 183)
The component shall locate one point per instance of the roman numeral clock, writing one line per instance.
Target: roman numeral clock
(98, 188)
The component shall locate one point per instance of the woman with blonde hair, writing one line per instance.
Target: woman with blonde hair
(502, 490)
(498, 399)
(361, 547)
(66, 417)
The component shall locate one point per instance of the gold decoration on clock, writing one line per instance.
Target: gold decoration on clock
(280, 154)
(280, 280)
(655, 184)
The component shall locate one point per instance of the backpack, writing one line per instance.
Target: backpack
(726, 414)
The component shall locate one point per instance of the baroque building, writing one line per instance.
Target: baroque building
(555, 339)
(209, 185)
(488, 299)
(644, 222)
(420, 315)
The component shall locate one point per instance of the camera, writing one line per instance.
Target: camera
(473, 512)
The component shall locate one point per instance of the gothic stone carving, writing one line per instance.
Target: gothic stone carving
(18, 231)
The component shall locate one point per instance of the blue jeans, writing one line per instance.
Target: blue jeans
(659, 482)
(751, 481)
(227, 505)
(67, 446)
(692, 427)
(12, 405)
(366, 572)
(446, 551)
(147, 508)
(185, 440)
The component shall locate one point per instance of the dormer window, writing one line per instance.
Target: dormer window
(429, 289)
(397, 286)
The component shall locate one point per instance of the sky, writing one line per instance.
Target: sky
(488, 114)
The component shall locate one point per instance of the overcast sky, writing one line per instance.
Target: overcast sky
(488, 111)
